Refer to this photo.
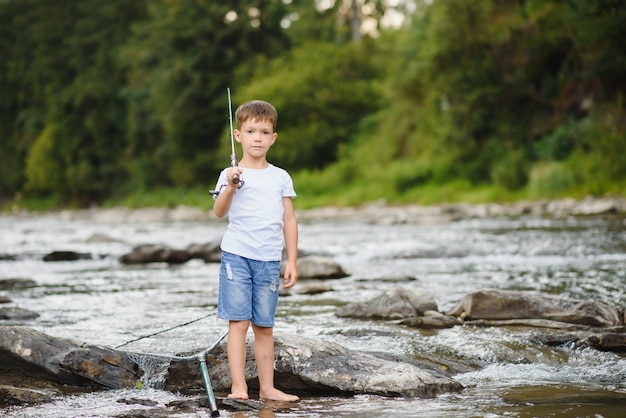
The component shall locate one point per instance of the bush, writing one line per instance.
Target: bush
(550, 180)
(510, 172)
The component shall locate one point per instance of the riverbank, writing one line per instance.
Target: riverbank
(376, 212)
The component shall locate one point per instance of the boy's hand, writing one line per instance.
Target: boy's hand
(232, 174)
(291, 275)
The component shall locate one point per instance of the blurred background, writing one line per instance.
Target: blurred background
(108, 102)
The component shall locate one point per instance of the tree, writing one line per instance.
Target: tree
(180, 63)
(322, 92)
(67, 98)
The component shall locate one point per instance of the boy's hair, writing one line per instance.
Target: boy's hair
(258, 110)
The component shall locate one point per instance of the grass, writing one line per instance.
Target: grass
(320, 191)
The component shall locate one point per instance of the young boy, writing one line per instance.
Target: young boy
(260, 214)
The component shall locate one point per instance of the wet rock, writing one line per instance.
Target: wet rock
(432, 321)
(304, 365)
(209, 252)
(8, 257)
(390, 279)
(333, 366)
(318, 267)
(530, 322)
(556, 340)
(611, 341)
(5, 299)
(16, 284)
(138, 401)
(66, 256)
(155, 253)
(397, 303)
(11, 395)
(15, 313)
(313, 290)
(493, 304)
(63, 361)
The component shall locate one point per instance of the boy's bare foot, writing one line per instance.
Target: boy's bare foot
(239, 395)
(277, 395)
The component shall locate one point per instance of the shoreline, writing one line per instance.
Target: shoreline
(376, 212)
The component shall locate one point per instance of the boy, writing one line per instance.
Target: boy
(259, 209)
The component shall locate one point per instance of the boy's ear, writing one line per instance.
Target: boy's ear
(274, 136)
(236, 133)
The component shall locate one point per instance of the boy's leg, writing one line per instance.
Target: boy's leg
(264, 356)
(236, 349)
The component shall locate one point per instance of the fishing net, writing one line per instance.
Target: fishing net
(154, 369)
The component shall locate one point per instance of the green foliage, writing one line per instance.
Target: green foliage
(169, 197)
(483, 99)
(321, 92)
(562, 141)
(551, 180)
(179, 63)
(43, 165)
(510, 172)
(599, 163)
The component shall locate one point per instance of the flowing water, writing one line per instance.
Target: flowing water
(504, 371)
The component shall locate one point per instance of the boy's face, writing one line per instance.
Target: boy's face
(256, 137)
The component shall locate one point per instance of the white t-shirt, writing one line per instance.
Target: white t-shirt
(255, 217)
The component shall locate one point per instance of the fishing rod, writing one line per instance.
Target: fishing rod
(233, 155)
(236, 179)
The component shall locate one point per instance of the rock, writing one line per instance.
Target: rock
(325, 364)
(15, 313)
(148, 215)
(529, 322)
(5, 299)
(183, 213)
(11, 395)
(32, 361)
(611, 341)
(608, 341)
(492, 304)
(304, 365)
(66, 256)
(592, 206)
(63, 361)
(138, 401)
(556, 340)
(209, 252)
(398, 303)
(16, 284)
(317, 267)
(155, 253)
(313, 290)
(431, 322)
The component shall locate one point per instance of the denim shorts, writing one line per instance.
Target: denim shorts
(248, 290)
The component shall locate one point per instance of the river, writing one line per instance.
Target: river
(101, 301)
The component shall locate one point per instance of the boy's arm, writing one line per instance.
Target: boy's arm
(290, 230)
(225, 198)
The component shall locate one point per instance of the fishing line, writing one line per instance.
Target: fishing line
(164, 330)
